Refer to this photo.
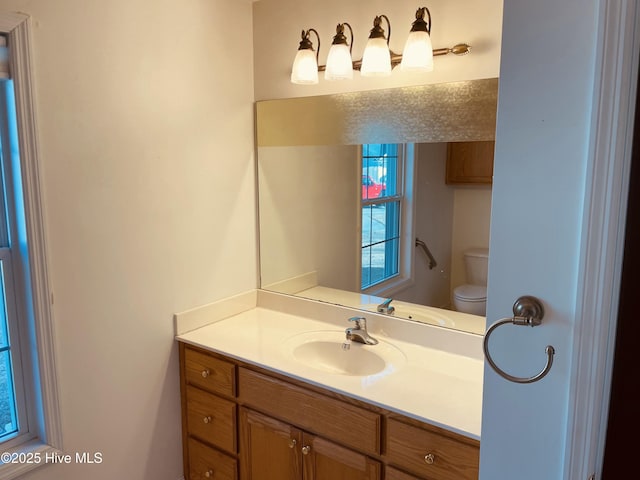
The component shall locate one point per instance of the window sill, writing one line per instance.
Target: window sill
(17, 461)
(390, 287)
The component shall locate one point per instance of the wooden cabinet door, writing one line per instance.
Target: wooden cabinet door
(269, 449)
(470, 163)
(324, 460)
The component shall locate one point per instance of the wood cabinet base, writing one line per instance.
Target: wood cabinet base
(241, 422)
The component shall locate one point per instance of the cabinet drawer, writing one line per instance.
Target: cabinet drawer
(211, 418)
(393, 474)
(205, 463)
(409, 446)
(209, 372)
(347, 424)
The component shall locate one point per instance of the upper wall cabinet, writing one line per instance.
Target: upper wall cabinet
(470, 163)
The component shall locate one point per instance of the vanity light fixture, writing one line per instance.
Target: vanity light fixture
(339, 61)
(418, 51)
(378, 59)
(305, 65)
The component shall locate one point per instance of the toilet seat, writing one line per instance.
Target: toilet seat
(471, 293)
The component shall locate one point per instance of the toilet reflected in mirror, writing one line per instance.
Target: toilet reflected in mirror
(472, 296)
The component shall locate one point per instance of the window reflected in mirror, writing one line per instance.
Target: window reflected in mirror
(382, 199)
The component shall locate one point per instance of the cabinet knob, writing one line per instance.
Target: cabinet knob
(429, 458)
(306, 449)
(292, 442)
(208, 474)
(205, 373)
(207, 419)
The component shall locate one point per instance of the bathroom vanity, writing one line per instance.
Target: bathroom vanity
(268, 393)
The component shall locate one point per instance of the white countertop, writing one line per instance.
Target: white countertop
(437, 384)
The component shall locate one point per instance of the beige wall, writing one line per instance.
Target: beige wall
(433, 225)
(450, 219)
(146, 134)
(471, 221)
(309, 214)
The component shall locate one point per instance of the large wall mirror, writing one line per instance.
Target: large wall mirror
(322, 195)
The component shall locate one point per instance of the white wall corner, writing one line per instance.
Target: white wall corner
(195, 318)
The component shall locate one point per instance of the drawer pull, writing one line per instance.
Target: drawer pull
(207, 419)
(306, 449)
(292, 443)
(208, 474)
(429, 458)
(206, 373)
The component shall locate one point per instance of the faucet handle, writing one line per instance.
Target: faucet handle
(385, 307)
(361, 322)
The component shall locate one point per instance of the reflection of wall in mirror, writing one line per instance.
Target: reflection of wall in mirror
(433, 225)
(449, 219)
(309, 219)
(471, 220)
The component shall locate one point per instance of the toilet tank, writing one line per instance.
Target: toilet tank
(476, 261)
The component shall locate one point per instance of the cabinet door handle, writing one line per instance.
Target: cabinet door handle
(306, 449)
(207, 419)
(205, 373)
(208, 474)
(292, 442)
(429, 458)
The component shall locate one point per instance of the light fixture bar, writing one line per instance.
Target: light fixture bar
(458, 49)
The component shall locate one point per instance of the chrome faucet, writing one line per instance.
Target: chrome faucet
(385, 307)
(359, 333)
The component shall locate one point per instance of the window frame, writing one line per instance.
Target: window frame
(407, 178)
(21, 377)
(36, 331)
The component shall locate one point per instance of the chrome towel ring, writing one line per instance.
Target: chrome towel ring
(527, 311)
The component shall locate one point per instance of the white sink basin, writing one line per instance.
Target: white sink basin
(323, 350)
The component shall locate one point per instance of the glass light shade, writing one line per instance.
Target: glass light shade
(305, 67)
(339, 63)
(376, 60)
(418, 53)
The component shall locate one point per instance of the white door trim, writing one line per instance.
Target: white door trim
(602, 244)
